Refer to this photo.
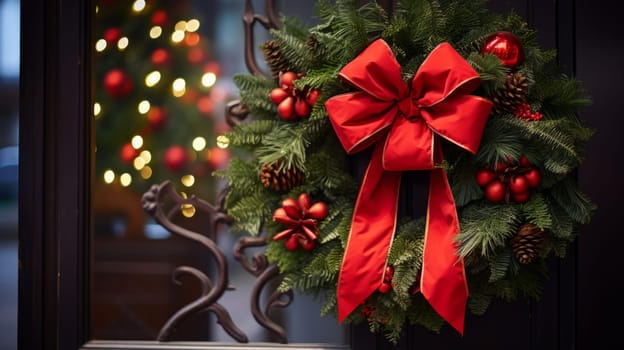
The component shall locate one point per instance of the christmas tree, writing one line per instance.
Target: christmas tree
(153, 106)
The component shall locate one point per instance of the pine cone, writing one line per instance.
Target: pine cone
(280, 180)
(313, 45)
(511, 95)
(274, 58)
(526, 243)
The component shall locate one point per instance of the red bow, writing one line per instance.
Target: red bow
(404, 122)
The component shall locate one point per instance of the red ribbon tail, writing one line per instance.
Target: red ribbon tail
(443, 281)
(372, 229)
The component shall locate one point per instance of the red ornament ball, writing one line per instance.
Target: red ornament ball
(195, 55)
(160, 57)
(176, 158)
(159, 18)
(485, 176)
(533, 177)
(384, 288)
(157, 117)
(505, 46)
(218, 157)
(205, 105)
(117, 83)
(518, 184)
(495, 191)
(521, 197)
(111, 35)
(128, 153)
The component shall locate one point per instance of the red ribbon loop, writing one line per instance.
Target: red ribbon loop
(404, 122)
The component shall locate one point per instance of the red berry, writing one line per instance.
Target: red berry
(384, 288)
(518, 184)
(318, 211)
(520, 197)
(495, 191)
(524, 161)
(302, 108)
(500, 166)
(533, 177)
(287, 79)
(286, 109)
(389, 273)
(292, 243)
(278, 95)
(312, 96)
(485, 176)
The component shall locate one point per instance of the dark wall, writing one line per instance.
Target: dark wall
(599, 57)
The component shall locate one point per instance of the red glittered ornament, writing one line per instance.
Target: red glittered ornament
(176, 158)
(300, 217)
(128, 153)
(505, 46)
(157, 117)
(160, 57)
(117, 83)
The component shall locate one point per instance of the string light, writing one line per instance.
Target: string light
(199, 143)
(146, 172)
(178, 87)
(155, 32)
(137, 142)
(188, 180)
(152, 78)
(208, 79)
(109, 176)
(97, 108)
(146, 156)
(122, 43)
(181, 26)
(144, 106)
(138, 163)
(177, 36)
(125, 179)
(100, 45)
(192, 25)
(138, 5)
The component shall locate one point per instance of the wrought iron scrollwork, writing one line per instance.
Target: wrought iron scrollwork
(154, 203)
(265, 273)
(235, 112)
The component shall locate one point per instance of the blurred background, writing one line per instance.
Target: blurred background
(9, 92)
(163, 77)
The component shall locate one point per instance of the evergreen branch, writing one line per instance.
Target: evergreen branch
(575, 203)
(486, 227)
(479, 303)
(251, 133)
(537, 211)
(286, 145)
(499, 264)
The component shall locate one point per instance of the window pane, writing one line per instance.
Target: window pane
(163, 73)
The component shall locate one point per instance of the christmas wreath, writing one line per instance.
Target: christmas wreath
(439, 92)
